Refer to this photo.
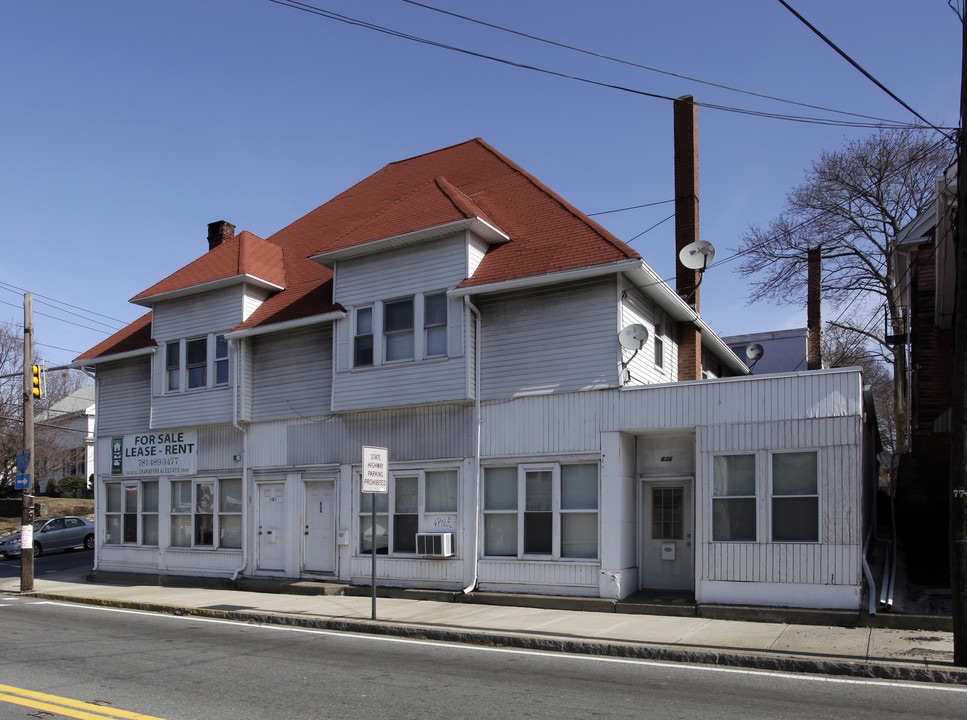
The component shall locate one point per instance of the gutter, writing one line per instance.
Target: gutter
(288, 325)
(81, 365)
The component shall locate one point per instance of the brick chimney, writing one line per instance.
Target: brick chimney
(814, 319)
(219, 232)
(686, 231)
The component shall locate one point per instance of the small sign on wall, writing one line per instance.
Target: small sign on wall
(668, 551)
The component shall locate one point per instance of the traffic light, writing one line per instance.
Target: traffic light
(38, 389)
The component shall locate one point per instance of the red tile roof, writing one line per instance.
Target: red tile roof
(460, 182)
(136, 336)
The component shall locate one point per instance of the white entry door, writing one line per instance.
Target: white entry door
(666, 550)
(271, 530)
(319, 546)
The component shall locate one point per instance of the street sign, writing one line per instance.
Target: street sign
(375, 478)
(21, 481)
(23, 460)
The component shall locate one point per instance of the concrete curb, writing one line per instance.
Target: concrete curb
(773, 662)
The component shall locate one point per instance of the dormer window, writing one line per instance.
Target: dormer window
(196, 363)
(400, 330)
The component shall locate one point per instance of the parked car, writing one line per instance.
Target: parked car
(64, 532)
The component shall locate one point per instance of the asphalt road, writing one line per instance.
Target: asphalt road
(183, 667)
(76, 562)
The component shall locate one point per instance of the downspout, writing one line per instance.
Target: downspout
(236, 346)
(97, 390)
(477, 423)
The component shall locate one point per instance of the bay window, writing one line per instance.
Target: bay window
(400, 330)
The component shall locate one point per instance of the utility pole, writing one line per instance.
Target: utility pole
(958, 438)
(27, 510)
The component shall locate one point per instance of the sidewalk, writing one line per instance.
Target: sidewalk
(870, 652)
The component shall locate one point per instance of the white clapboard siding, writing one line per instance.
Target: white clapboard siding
(124, 396)
(635, 308)
(429, 267)
(566, 341)
(217, 311)
(192, 408)
(434, 266)
(291, 373)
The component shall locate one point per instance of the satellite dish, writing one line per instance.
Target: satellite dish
(633, 337)
(754, 351)
(697, 255)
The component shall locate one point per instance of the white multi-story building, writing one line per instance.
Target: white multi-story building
(454, 310)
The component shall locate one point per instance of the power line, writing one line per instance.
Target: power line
(313, 10)
(611, 58)
(856, 65)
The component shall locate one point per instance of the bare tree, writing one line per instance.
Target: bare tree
(57, 385)
(852, 204)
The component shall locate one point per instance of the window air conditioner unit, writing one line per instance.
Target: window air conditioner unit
(434, 544)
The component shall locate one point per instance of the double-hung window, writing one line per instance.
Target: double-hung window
(173, 366)
(659, 338)
(206, 513)
(363, 337)
(398, 330)
(795, 497)
(417, 501)
(734, 498)
(541, 511)
(435, 324)
(131, 515)
(196, 363)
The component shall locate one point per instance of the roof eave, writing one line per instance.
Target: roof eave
(81, 364)
(150, 300)
(477, 225)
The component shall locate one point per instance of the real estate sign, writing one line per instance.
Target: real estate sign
(160, 453)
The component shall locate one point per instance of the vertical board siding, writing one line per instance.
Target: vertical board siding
(291, 373)
(566, 341)
(436, 432)
(124, 396)
(547, 576)
(414, 571)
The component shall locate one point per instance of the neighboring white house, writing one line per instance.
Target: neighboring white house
(65, 435)
(520, 365)
(771, 352)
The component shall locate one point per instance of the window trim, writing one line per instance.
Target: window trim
(379, 337)
(141, 513)
(195, 513)
(817, 495)
(388, 510)
(557, 511)
(178, 377)
(754, 498)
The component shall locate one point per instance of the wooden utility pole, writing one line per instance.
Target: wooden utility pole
(27, 510)
(958, 429)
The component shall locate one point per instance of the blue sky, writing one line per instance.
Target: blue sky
(128, 126)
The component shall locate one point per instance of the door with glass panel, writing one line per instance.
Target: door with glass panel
(666, 549)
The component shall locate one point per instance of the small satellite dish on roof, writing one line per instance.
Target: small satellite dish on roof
(697, 255)
(754, 351)
(633, 337)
